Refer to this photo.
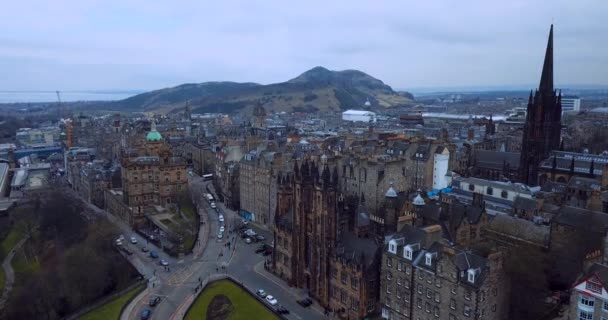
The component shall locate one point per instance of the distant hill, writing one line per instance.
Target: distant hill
(317, 89)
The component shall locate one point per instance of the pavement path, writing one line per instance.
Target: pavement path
(9, 272)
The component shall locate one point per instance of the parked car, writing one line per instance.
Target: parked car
(282, 310)
(145, 315)
(118, 242)
(248, 240)
(305, 302)
(260, 237)
(222, 229)
(163, 262)
(260, 249)
(213, 206)
(144, 249)
(133, 240)
(154, 301)
(220, 235)
(271, 300)
(126, 250)
(153, 254)
(261, 293)
(244, 222)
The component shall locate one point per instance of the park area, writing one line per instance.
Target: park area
(225, 300)
(112, 309)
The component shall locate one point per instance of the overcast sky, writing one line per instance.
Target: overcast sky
(132, 44)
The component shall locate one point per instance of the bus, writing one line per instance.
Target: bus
(207, 177)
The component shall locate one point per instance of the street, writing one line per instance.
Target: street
(211, 256)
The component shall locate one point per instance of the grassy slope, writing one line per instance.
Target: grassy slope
(244, 304)
(14, 235)
(112, 309)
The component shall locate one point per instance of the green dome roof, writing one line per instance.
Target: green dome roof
(154, 136)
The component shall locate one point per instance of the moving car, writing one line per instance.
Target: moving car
(153, 254)
(248, 240)
(261, 293)
(213, 206)
(222, 229)
(154, 301)
(260, 237)
(133, 240)
(145, 315)
(271, 300)
(163, 262)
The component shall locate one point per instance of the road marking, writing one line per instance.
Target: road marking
(181, 261)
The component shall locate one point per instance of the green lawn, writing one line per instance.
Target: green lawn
(245, 306)
(24, 266)
(112, 309)
(11, 239)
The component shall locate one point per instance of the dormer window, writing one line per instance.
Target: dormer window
(428, 259)
(408, 252)
(471, 275)
(392, 248)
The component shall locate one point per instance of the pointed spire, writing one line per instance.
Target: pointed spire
(530, 99)
(546, 80)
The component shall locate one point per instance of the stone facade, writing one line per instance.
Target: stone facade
(258, 186)
(152, 176)
(422, 278)
(319, 248)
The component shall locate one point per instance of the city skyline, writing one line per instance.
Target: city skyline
(146, 46)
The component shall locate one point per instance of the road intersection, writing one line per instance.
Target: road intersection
(211, 258)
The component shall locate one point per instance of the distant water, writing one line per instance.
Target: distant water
(67, 96)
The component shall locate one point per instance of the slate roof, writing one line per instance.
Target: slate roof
(582, 183)
(526, 204)
(582, 218)
(519, 228)
(357, 250)
(496, 159)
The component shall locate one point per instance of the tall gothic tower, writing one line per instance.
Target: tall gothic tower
(542, 129)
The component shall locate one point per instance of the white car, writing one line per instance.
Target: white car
(213, 206)
(220, 235)
(133, 240)
(118, 242)
(261, 293)
(221, 218)
(248, 240)
(222, 229)
(271, 300)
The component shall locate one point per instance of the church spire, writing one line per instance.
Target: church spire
(546, 80)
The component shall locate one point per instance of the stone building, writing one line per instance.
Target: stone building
(200, 156)
(589, 297)
(152, 175)
(423, 278)
(258, 187)
(319, 244)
